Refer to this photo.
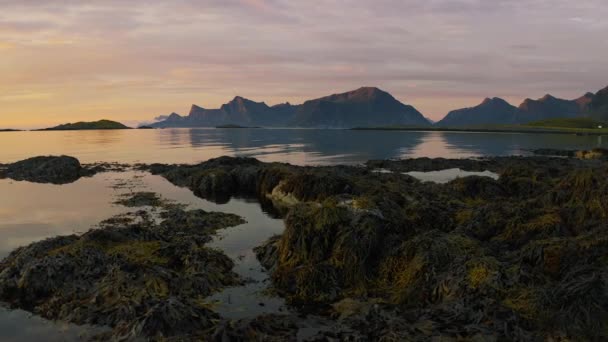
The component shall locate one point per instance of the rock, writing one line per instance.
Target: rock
(172, 317)
(267, 254)
(142, 199)
(268, 327)
(399, 259)
(596, 153)
(141, 278)
(56, 170)
(554, 152)
(476, 186)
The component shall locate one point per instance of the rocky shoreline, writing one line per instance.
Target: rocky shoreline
(383, 256)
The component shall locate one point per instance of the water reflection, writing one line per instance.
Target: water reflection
(34, 212)
(297, 146)
(302, 146)
(517, 143)
(18, 325)
(447, 175)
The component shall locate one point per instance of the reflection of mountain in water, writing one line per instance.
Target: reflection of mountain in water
(304, 146)
(497, 144)
(337, 145)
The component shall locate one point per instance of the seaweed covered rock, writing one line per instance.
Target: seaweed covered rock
(388, 323)
(596, 153)
(50, 169)
(518, 258)
(263, 328)
(138, 277)
(140, 199)
(507, 263)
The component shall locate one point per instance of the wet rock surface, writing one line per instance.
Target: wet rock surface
(141, 199)
(273, 328)
(141, 278)
(49, 169)
(518, 258)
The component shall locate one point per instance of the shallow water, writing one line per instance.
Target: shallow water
(18, 325)
(34, 213)
(444, 176)
(296, 146)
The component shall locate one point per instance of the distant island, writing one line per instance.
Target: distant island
(371, 107)
(9, 130)
(95, 125)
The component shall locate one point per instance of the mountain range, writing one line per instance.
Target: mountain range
(373, 107)
(497, 111)
(367, 106)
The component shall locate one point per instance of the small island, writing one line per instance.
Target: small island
(9, 130)
(94, 125)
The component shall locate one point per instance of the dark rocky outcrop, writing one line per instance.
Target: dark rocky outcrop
(142, 279)
(518, 258)
(49, 169)
(272, 328)
(141, 199)
(381, 255)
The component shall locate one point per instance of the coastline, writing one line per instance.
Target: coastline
(356, 245)
(515, 130)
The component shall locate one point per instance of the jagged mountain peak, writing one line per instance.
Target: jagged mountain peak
(369, 92)
(282, 105)
(489, 111)
(547, 97)
(493, 101)
(362, 107)
(240, 99)
(362, 94)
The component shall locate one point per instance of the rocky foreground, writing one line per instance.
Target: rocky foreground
(383, 255)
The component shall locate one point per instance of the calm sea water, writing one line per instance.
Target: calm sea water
(296, 146)
(30, 212)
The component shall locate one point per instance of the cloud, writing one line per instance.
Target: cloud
(140, 57)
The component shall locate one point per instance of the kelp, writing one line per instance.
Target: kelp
(141, 278)
(475, 258)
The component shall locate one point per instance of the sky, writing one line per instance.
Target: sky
(69, 60)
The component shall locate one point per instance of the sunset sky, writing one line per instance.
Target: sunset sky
(131, 61)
